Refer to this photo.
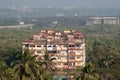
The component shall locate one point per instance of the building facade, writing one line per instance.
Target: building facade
(103, 20)
(66, 49)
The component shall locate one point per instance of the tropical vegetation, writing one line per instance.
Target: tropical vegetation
(102, 50)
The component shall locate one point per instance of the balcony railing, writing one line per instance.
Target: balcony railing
(71, 67)
(71, 60)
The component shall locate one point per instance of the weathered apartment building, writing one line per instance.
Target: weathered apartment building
(103, 20)
(66, 49)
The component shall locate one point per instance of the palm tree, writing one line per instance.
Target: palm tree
(5, 71)
(46, 67)
(47, 62)
(88, 73)
(2, 65)
(26, 68)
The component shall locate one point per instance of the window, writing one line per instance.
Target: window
(49, 46)
(71, 45)
(52, 51)
(27, 45)
(77, 45)
(78, 34)
(65, 63)
(32, 45)
(44, 45)
(71, 63)
(72, 57)
(38, 51)
(54, 45)
(38, 45)
(78, 57)
(49, 51)
(64, 45)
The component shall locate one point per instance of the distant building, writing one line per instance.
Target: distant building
(103, 20)
(21, 23)
(60, 15)
(67, 49)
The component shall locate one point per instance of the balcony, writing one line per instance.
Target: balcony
(53, 54)
(80, 64)
(71, 48)
(64, 48)
(79, 60)
(58, 66)
(39, 48)
(79, 48)
(79, 54)
(69, 67)
(63, 55)
(65, 67)
(41, 54)
(78, 41)
(71, 60)
(63, 60)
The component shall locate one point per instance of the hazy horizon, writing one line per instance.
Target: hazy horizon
(59, 3)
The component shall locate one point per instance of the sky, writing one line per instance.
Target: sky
(60, 3)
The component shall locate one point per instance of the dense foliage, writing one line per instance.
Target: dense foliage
(102, 44)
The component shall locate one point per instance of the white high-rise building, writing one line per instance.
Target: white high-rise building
(66, 49)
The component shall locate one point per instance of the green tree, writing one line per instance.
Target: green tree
(47, 62)
(5, 71)
(47, 67)
(107, 61)
(88, 73)
(26, 68)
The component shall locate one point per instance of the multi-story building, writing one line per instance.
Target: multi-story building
(66, 49)
(103, 20)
